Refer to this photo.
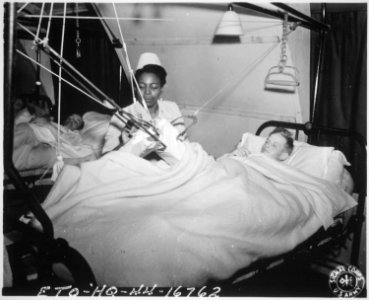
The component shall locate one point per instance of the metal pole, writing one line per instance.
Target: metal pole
(38, 74)
(277, 14)
(314, 102)
(10, 170)
(313, 22)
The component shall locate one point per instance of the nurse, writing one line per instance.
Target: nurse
(151, 79)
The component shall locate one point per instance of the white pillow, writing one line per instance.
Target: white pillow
(251, 142)
(336, 166)
(347, 182)
(322, 162)
(310, 159)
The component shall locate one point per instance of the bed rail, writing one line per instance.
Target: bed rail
(313, 132)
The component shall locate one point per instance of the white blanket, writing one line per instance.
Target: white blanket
(199, 220)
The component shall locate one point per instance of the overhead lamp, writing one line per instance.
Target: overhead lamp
(230, 24)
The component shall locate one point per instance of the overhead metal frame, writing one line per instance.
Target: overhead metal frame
(321, 28)
(307, 22)
(293, 15)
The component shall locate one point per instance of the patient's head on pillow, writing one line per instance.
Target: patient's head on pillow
(279, 144)
(74, 122)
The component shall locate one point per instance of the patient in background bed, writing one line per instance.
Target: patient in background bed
(36, 141)
(278, 145)
(74, 122)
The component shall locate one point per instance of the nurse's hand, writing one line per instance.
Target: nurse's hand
(141, 144)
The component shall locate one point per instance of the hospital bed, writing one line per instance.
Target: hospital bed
(321, 248)
(346, 224)
(38, 171)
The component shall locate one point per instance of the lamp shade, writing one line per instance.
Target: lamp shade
(230, 24)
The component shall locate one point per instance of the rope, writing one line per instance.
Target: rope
(109, 18)
(182, 135)
(49, 23)
(60, 76)
(59, 163)
(245, 72)
(23, 6)
(133, 79)
(39, 23)
(123, 42)
(138, 90)
(140, 19)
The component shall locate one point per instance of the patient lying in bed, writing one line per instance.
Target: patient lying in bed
(37, 141)
(278, 145)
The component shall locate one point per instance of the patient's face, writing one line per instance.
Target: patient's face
(275, 147)
(74, 122)
(150, 87)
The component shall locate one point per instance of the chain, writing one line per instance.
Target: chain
(283, 60)
(78, 38)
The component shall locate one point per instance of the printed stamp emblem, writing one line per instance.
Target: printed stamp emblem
(346, 281)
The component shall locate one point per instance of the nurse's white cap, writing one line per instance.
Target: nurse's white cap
(148, 58)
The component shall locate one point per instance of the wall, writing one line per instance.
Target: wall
(223, 83)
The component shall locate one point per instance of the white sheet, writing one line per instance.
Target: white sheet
(201, 219)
